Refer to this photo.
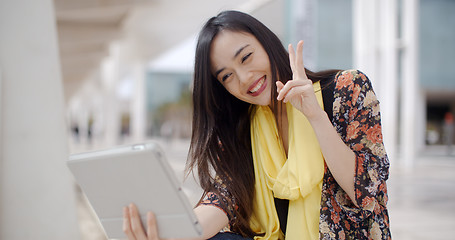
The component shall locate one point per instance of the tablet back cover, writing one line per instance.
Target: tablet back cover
(112, 179)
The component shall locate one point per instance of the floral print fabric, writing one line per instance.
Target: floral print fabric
(223, 200)
(357, 120)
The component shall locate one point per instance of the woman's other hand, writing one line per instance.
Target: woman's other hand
(211, 218)
(132, 225)
(299, 90)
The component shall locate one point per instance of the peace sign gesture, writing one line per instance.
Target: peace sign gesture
(299, 90)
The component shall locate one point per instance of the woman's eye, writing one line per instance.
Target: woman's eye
(225, 77)
(246, 57)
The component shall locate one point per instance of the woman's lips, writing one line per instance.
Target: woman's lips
(258, 87)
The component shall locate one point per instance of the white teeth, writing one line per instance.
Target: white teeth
(259, 85)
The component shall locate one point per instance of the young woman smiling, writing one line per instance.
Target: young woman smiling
(281, 152)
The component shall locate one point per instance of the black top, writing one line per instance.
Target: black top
(282, 205)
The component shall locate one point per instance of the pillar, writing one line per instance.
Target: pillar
(376, 54)
(37, 199)
(388, 75)
(110, 77)
(410, 81)
(365, 37)
(138, 104)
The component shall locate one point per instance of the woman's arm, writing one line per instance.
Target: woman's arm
(211, 218)
(356, 156)
(340, 159)
(300, 93)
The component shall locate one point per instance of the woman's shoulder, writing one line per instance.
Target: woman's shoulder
(350, 77)
(353, 89)
(353, 81)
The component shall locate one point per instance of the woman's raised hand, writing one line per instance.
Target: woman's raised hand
(132, 225)
(299, 90)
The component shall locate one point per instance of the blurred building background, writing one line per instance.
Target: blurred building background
(89, 74)
(127, 65)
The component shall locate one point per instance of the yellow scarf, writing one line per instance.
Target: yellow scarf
(299, 178)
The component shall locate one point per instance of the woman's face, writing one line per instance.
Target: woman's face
(242, 66)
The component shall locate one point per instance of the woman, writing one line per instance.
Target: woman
(280, 151)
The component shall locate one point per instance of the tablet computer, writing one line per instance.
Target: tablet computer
(113, 178)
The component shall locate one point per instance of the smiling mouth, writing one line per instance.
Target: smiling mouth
(257, 87)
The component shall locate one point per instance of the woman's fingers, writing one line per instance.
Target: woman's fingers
(289, 90)
(281, 93)
(127, 224)
(283, 89)
(292, 60)
(136, 224)
(279, 86)
(299, 60)
(292, 86)
(132, 224)
(152, 229)
(296, 61)
(294, 92)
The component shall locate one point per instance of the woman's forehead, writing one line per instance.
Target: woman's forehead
(233, 36)
(227, 43)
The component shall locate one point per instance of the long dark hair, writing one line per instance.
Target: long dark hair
(220, 141)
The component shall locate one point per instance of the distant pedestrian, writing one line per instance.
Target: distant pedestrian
(448, 131)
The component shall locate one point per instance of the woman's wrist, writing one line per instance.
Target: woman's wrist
(317, 117)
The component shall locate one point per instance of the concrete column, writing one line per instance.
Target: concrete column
(82, 119)
(37, 199)
(110, 78)
(410, 81)
(1, 98)
(138, 104)
(1, 132)
(388, 75)
(375, 53)
(365, 37)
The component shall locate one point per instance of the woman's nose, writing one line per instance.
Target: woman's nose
(244, 76)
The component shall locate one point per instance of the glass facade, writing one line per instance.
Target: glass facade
(437, 44)
(334, 35)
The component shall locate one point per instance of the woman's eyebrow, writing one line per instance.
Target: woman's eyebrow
(240, 50)
(218, 72)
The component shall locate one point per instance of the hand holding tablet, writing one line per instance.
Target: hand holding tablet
(114, 178)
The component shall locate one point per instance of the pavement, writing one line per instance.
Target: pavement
(421, 197)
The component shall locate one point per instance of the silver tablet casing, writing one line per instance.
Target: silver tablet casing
(140, 174)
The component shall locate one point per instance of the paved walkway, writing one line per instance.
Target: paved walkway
(421, 198)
